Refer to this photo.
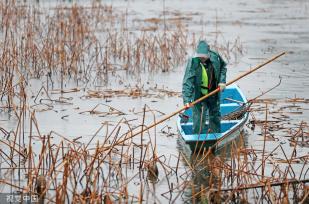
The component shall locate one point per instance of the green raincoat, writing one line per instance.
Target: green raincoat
(191, 89)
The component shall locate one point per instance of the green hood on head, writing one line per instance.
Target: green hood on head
(202, 49)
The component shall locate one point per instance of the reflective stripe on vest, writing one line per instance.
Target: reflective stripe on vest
(204, 84)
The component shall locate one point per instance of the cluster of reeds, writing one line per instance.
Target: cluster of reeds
(274, 169)
(114, 168)
(117, 165)
(87, 44)
(78, 40)
(91, 43)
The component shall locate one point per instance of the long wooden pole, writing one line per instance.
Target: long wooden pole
(197, 101)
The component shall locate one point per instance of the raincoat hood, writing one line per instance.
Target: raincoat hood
(202, 50)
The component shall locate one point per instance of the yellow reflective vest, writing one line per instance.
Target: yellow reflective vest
(204, 84)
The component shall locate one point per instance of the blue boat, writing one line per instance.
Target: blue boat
(234, 114)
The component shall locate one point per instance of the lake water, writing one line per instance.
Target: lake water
(261, 29)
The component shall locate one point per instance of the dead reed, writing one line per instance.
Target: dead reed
(90, 44)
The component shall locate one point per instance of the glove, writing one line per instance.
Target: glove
(183, 118)
(222, 86)
(187, 106)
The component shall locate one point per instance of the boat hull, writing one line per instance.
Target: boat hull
(231, 128)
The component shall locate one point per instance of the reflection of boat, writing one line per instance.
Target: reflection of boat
(234, 114)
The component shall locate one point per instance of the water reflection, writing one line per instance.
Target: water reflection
(210, 170)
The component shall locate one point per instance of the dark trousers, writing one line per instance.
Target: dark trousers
(212, 105)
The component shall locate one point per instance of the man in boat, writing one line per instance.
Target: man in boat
(204, 73)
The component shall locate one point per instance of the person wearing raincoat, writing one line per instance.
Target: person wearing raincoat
(204, 73)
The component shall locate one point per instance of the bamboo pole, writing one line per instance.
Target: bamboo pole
(196, 101)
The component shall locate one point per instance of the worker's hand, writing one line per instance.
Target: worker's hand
(187, 106)
(222, 86)
(184, 118)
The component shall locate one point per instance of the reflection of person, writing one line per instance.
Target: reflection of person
(204, 73)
